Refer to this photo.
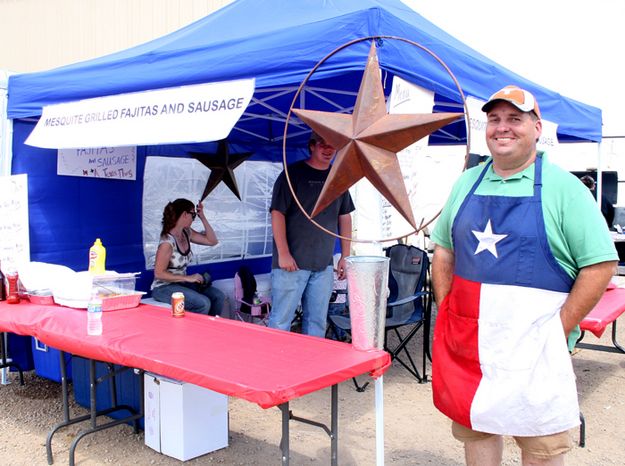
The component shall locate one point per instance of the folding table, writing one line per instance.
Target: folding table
(266, 366)
(607, 311)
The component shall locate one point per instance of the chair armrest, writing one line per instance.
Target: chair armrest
(399, 302)
(264, 300)
(408, 299)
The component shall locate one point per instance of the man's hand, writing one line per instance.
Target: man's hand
(586, 292)
(287, 263)
(442, 272)
(340, 269)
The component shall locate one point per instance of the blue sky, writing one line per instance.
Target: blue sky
(574, 47)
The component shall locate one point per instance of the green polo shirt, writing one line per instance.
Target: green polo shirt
(576, 230)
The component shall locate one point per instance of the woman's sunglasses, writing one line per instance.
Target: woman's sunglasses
(193, 214)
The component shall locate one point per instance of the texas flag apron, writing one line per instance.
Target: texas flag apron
(501, 363)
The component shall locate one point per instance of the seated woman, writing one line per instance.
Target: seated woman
(174, 254)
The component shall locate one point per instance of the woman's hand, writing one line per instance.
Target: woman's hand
(195, 278)
(208, 238)
(199, 208)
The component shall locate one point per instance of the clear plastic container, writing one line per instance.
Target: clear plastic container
(112, 284)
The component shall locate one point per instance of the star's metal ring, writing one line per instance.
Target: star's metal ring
(423, 223)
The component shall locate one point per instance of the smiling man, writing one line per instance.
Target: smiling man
(301, 268)
(522, 255)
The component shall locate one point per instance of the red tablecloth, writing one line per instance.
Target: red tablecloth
(607, 310)
(262, 365)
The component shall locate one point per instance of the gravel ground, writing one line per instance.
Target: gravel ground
(415, 433)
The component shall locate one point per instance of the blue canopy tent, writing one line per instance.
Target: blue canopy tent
(277, 42)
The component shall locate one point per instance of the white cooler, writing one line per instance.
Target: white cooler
(183, 420)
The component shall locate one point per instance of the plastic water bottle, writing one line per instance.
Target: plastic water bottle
(94, 315)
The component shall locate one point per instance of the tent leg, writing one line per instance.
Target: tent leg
(334, 426)
(284, 442)
(379, 421)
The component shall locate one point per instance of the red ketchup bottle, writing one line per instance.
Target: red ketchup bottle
(12, 293)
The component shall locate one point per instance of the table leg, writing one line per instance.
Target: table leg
(334, 426)
(4, 362)
(617, 347)
(284, 442)
(616, 344)
(332, 431)
(93, 412)
(582, 431)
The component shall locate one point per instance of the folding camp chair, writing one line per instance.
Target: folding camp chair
(409, 308)
(338, 306)
(249, 307)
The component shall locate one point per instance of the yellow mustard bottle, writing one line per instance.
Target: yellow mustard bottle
(97, 258)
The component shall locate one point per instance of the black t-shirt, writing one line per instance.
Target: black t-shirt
(311, 247)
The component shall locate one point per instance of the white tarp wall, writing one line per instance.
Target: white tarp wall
(243, 227)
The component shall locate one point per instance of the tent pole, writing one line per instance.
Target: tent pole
(379, 421)
(599, 175)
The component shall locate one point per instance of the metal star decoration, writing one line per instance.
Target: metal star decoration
(367, 142)
(221, 165)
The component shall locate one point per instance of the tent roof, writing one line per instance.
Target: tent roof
(278, 42)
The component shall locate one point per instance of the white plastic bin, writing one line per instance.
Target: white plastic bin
(183, 420)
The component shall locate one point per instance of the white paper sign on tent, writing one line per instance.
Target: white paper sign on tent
(185, 114)
(548, 140)
(477, 120)
(117, 163)
(15, 243)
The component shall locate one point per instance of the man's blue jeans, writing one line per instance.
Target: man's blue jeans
(313, 289)
(196, 298)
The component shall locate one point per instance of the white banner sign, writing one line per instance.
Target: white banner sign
(186, 114)
(477, 120)
(118, 163)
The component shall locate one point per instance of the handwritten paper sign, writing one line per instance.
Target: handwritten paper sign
(118, 163)
(375, 217)
(185, 114)
(14, 240)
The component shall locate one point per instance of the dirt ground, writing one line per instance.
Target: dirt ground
(415, 433)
